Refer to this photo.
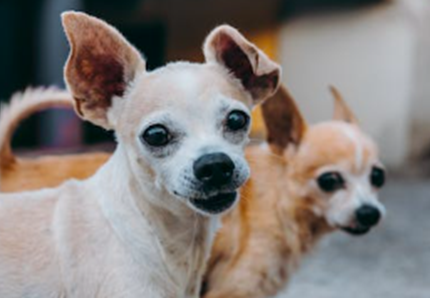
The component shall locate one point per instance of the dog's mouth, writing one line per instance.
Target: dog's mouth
(356, 230)
(215, 204)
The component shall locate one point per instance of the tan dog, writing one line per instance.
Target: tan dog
(311, 181)
(143, 225)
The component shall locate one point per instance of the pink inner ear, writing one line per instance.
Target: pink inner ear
(236, 60)
(100, 77)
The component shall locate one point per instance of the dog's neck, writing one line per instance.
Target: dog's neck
(301, 213)
(183, 237)
(308, 226)
(297, 215)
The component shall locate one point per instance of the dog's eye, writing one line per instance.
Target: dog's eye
(156, 135)
(377, 177)
(237, 120)
(330, 182)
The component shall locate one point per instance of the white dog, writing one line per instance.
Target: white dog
(144, 224)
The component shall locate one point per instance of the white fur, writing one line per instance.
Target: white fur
(353, 136)
(103, 246)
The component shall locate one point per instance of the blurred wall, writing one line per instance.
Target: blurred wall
(189, 21)
(420, 137)
(59, 128)
(368, 53)
(18, 52)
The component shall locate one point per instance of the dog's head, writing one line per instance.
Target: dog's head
(333, 165)
(183, 126)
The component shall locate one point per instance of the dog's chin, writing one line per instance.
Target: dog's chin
(214, 205)
(356, 230)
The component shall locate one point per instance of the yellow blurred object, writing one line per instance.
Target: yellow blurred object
(267, 41)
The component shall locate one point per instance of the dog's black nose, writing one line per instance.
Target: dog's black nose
(367, 215)
(214, 170)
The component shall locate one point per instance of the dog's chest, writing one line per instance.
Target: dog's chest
(186, 256)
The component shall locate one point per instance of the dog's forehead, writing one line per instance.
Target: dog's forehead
(338, 143)
(184, 84)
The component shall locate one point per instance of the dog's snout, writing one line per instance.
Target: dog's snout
(215, 169)
(368, 215)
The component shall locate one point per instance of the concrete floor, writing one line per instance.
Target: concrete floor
(391, 262)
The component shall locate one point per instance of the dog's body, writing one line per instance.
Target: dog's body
(284, 209)
(262, 241)
(143, 225)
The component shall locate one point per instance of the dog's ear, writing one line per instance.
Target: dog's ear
(100, 66)
(284, 123)
(341, 110)
(258, 74)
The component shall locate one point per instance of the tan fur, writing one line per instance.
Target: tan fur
(341, 110)
(125, 232)
(50, 171)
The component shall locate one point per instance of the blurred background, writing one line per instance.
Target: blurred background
(377, 52)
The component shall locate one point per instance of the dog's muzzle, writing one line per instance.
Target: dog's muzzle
(366, 217)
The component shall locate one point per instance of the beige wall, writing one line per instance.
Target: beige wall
(369, 54)
(420, 138)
